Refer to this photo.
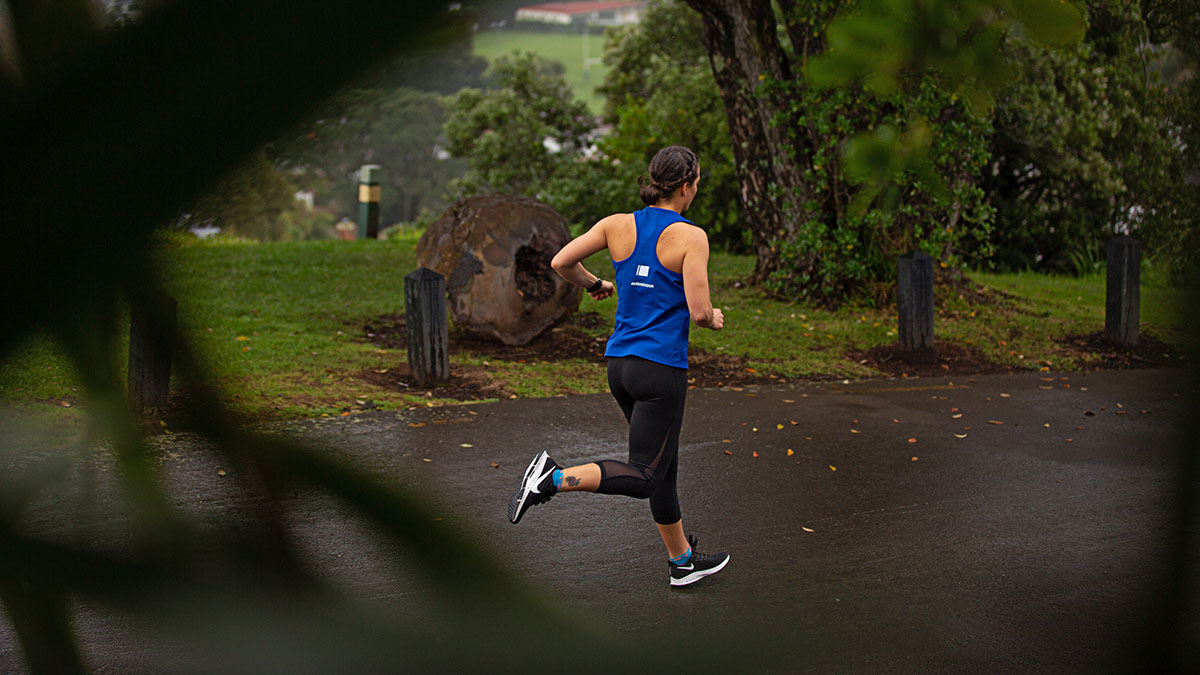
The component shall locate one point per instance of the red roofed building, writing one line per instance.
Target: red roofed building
(602, 13)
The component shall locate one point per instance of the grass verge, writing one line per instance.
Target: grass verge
(285, 330)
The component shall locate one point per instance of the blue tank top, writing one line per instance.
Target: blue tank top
(652, 313)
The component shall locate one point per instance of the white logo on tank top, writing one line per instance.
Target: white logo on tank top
(643, 271)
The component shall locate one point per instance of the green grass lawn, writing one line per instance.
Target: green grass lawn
(281, 329)
(566, 48)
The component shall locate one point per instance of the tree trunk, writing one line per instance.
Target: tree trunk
(744, 50)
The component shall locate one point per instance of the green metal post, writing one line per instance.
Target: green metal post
(368, 201)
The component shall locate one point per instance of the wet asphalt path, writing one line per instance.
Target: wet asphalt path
(1010, 549)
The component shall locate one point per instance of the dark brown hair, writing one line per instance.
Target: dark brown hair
(671, 168)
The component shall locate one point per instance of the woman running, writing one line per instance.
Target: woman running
(661, 263)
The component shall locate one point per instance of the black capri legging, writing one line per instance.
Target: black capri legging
(652, 396)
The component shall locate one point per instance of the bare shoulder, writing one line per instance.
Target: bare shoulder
(615, 220)
(688, 234)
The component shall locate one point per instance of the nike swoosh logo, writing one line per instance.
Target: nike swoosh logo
(533, 488)
(681, 567)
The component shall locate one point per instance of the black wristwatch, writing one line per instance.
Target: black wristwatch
(596, 286)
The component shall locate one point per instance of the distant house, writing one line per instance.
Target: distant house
(604, 13)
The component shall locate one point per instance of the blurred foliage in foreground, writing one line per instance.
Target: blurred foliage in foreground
(104, 137)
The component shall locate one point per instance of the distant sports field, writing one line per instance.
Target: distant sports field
(566, 48)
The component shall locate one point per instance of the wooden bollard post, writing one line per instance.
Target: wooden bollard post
(428, 330)
(1123, 291)
(368, 201)
(151, 341)
(915, 300)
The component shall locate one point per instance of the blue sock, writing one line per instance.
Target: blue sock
(681, 559)
(557, 478)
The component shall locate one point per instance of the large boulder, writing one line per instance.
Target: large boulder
(495, 252)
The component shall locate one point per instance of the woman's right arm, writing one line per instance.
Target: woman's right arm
(695, 281)
(568, 262)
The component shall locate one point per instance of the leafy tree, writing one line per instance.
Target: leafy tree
(1086, 145)
(659, 91)
(519, 135)
(822, 224)
(1176, 24)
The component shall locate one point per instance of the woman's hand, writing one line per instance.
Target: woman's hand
(606, 291)
(718, 319)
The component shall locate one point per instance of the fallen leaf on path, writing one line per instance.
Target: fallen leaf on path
(788, 400)
(416, 424)
(756, 454)
(1122, 412)
(912, 440)
(729, 452)
(960, 435)
(65, 404)
(1089, 413)
(1144, 412)
(855, 431)
(220, 472)
(726, 440)
(957, 416)
(1070, 440)
(790, 453)
(345, 413)
(1048, 388)
(807, 529)
(779, 426)
(426, 459)
(995, 422)
(895, 421)
(495, 465)
(832, 467)
(914, 459)
(1005, 395)
(465, 445)
(1046, 425)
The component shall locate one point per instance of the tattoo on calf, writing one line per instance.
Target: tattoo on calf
(571, 481)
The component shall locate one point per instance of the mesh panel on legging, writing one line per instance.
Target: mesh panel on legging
(652, 397)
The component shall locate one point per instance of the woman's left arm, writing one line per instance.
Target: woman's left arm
(569, 261)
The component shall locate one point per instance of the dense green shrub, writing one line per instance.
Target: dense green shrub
(1086, 146)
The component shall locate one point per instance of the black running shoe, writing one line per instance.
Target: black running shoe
(699, 566)
(536, 487)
